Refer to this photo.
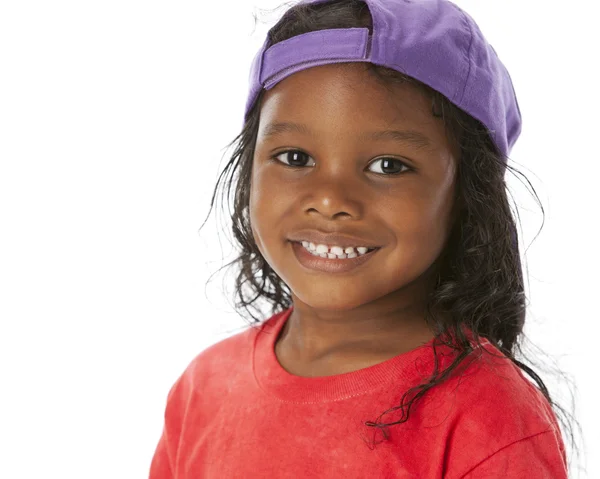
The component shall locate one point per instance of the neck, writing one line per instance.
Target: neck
(386, 327)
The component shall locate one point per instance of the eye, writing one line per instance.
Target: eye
(390, 166)
(298, 159)
(295, 158)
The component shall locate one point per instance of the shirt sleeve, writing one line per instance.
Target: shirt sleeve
(163, 464)
(540, 456)
(160, 467)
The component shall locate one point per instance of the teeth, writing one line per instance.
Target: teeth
(335, 252)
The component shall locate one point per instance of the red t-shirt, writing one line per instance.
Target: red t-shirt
(236, 413)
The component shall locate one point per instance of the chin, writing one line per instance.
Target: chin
(339, 299)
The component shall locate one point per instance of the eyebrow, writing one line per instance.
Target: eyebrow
(413, 137)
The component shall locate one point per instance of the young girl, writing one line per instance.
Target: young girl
(372, 215)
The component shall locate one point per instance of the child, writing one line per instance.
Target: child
(397, 293)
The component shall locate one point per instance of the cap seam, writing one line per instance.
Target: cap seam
(468, 56)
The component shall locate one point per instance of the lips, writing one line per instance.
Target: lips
(343, 240)
(327, 265)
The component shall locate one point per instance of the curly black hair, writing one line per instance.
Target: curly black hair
(480, 281)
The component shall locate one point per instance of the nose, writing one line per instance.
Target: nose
(334, 197)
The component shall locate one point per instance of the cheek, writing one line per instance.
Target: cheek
(262, 210)
(254, 208)
(424, 220)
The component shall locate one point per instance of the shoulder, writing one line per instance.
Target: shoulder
(217, 367)
(495, 393)
(227, 355)
(498, 414)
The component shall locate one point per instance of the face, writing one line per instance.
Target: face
(338, 173)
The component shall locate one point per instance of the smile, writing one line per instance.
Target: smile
(335, 252)
(331, 259)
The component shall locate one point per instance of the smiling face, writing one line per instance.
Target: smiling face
(336, 171)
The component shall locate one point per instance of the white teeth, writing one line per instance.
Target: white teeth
(335, 252)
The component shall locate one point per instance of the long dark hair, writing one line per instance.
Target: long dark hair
(480, 281)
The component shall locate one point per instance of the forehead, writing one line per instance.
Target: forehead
(347, 99)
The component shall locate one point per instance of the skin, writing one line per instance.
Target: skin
(344, 322)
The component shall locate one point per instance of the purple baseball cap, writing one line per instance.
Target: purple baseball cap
(432, 41)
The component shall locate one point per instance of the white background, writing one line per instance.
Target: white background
(114, 118)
